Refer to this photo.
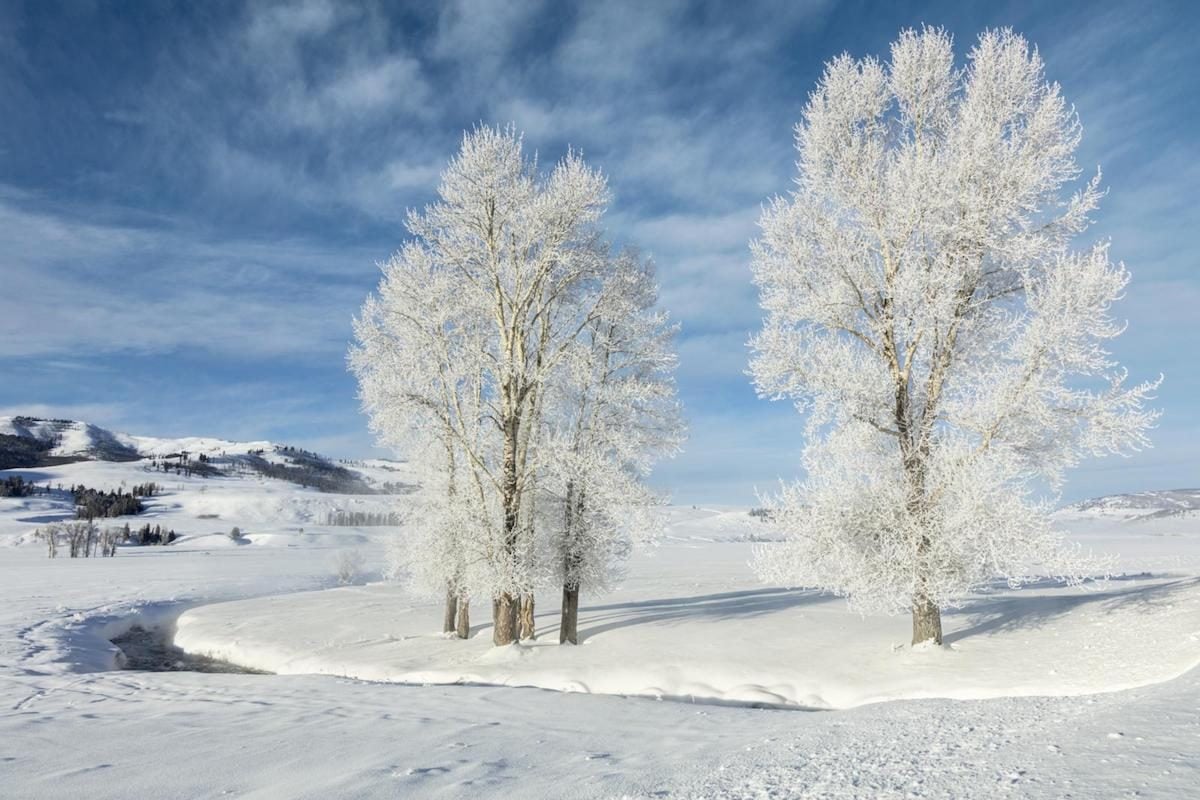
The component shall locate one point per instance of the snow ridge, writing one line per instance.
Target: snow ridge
(1142, 505)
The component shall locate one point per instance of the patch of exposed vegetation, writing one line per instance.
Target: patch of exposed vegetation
(94, 503)
(361, 519)
(308, 469)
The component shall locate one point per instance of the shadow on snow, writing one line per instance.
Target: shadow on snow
(720, 606)
(1014, 612)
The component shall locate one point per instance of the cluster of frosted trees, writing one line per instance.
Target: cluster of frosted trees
(521, 363)
(924, 308)
(82, 539)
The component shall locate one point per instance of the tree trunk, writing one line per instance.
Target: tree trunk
(505, 608)
(568, 626)
(504, 629)
(568, 629)
(527, 631)
(448, 619)
(464, 618)
(926, 621)
(504, 623)
(926, 616)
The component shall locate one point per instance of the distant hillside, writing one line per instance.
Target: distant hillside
(28, 442)
(33, 442)
(1142, 505)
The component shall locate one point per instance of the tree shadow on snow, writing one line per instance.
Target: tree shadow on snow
(721, 606)
(1014, 612)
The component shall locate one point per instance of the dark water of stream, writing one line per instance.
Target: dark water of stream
(151, 651)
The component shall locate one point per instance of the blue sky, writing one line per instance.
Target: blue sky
(193, 196)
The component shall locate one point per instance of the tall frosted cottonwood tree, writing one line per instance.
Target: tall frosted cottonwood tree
(614, 413)
(476, 318)
(418, 359)
(925, 306)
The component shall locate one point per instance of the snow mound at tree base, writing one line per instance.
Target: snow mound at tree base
(747, 645)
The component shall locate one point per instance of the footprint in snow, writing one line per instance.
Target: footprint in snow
(426, 771)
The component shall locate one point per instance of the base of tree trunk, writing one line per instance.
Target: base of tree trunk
(527, 631)
(504, 619)
(926, 621)
(464, 619)
(448, 619)
(568, 629)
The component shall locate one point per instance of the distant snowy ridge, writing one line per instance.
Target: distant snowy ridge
(194, 445)
(58, 440)
(32, 441)
(1140, 505)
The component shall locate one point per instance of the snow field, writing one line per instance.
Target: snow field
(692, 623)
(70, 727)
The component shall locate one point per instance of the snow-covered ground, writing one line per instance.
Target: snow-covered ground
(689, 624)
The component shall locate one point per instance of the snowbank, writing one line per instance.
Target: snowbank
(710, 641)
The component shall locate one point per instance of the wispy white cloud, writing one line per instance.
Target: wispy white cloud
(74, 285)
(95, 413)
(273, 26)
(482, 33)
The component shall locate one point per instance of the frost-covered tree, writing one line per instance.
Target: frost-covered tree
(518, 261)
(418, 351)
(924, 305)
(50, 535)
(615, 413)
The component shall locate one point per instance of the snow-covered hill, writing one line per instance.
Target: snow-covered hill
(32, 442)
(1158, 504)
(59, 440)
(205, 485)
